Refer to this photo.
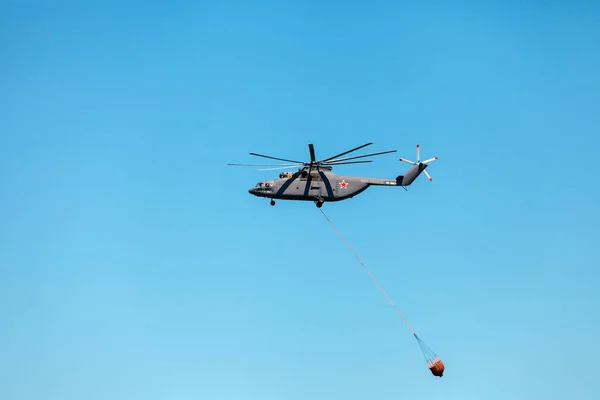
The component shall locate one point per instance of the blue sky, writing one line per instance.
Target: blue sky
(134, 264)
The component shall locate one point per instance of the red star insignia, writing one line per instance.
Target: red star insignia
(343, 184)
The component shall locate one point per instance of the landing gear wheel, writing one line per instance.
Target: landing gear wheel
(319, 204)
(272, 202)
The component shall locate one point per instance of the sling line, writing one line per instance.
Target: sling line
(368, 272)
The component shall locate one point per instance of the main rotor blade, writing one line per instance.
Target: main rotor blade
(367, 155)
(311, 148)
(265, 165)
(344, 153)
(346, 162)
(286, 167)
(275, 158)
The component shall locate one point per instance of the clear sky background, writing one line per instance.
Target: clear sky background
(135, 265)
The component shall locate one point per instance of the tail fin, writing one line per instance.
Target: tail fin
(418, 168)
(410, 176)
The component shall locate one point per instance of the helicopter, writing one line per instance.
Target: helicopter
(315, 181)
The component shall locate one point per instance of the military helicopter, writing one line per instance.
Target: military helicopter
(315, 181)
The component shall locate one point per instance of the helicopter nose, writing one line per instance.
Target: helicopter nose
(252, 190)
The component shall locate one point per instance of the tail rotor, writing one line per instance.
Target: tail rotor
(419, 162)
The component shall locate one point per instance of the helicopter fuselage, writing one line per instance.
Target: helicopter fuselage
(319, 185)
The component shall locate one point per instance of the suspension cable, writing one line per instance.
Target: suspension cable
(368, 272)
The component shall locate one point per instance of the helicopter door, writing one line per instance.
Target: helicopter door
(316, 188)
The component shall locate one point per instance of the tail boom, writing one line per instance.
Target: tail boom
(410, 175)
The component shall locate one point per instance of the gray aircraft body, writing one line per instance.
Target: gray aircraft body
(315, 181)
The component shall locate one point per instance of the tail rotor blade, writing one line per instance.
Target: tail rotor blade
(418, 153)
(429, 161)
(427, 175)
(408, 161)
